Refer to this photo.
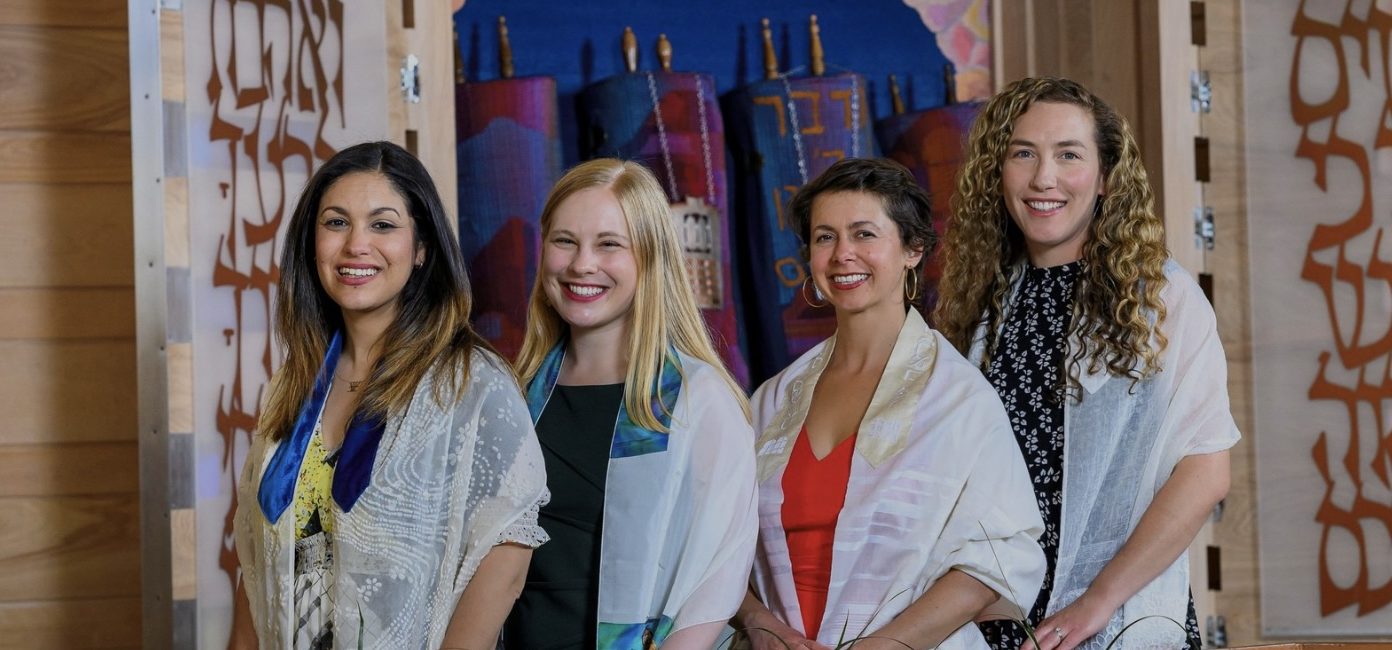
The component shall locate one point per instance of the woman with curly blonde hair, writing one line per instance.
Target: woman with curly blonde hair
(1057, 284)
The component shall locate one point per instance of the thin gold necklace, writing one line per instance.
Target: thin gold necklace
(353, 386)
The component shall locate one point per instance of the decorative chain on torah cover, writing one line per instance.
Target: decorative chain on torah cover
(931, 144)
(509, 154)
(670, 122)
(783, 133)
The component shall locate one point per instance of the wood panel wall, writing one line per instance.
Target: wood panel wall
(1236, 531)
(69, 543)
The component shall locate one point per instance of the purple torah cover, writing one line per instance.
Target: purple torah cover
(670, 122)
(931, 144)
(784, 132)
(509, 154)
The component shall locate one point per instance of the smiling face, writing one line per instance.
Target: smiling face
(588, 268)
(365, 245)
(1051, 179)
(857, 255)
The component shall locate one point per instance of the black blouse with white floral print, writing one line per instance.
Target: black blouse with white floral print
(1026, 370)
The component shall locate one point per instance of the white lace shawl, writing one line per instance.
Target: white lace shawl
(937, 483)
(447, 485)
(1122, 444)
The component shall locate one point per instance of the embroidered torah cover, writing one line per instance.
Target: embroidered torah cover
(509, 154)
(783, 133)
(670, 122)
(932, 144)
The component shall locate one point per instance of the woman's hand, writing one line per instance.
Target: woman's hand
(1073, 624)
(769, 633)
(765, 631)
(243, 632)
(1164, 531)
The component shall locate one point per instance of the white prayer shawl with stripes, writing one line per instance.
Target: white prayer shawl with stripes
(937, 483)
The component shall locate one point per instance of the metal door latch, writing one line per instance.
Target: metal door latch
(410, 79)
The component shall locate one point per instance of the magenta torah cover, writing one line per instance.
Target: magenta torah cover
(931, 143)
(784, 132)
(670, 122)
(509, 154)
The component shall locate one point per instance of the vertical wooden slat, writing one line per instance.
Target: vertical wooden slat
(1009, 53)
(1227, 194)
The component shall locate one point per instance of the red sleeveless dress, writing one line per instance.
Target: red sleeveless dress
(813, 493)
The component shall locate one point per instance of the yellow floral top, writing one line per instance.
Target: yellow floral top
(314, 490)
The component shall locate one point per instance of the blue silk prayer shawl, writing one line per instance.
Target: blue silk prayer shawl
(353, 472)
(630, 439)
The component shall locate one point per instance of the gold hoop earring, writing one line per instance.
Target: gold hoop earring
(816, 291)
(911, 285)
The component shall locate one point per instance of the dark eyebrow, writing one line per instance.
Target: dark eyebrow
(856, 224)
(374, 213)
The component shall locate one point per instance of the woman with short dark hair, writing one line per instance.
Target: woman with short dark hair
(892, 504)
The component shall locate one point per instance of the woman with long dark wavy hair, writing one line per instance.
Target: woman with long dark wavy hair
(1057, 284)
(390, 495)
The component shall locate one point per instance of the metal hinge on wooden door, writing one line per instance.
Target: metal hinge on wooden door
(1200, 91)
(411, 79)
(1203, 227)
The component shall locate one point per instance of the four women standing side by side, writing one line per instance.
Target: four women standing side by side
(888, 488)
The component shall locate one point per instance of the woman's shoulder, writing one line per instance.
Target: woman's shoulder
(703, 379)
(956, 374)
(773, 385)
(489, 365)
(487, 373)
(1182, 296)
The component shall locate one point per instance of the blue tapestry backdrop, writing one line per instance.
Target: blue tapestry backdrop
(577, 42)
(758, 318)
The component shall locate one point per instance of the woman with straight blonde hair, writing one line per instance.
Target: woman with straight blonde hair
(390, 495)
(646, 435)
(1105, 353)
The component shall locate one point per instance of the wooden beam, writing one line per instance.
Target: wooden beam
(67, 313)
(64, 79)
(69, 547)
(105, 623)
(66, 235)
(68, 470)
(65, 157)
(65, 13)
(67, 391)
